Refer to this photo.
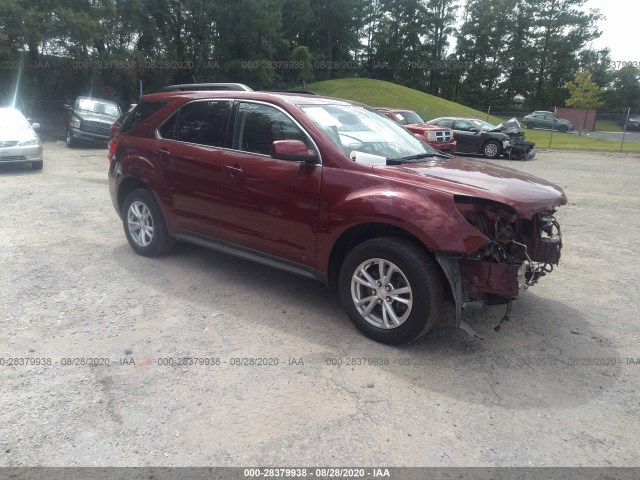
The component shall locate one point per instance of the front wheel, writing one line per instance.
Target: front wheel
(71, 143)
(491, 149)
(563, 129)
(144, 225)
(391, 290)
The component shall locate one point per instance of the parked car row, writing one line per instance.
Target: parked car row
(466, 135)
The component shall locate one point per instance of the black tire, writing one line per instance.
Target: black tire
(491, 149)
(563, 129)
(528, 125)
(71, 143)
(158, 242)
(422, 275)
(36, 165)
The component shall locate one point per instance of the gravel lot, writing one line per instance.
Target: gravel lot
(554, 387)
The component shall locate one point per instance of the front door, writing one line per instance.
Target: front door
(468, 141)
(268, 204)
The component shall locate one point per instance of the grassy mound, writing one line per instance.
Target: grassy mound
(384, 94)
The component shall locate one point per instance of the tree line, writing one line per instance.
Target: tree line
(476, 52)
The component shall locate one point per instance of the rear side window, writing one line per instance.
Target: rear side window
(445, 123)
(139, 113)
(203, 123)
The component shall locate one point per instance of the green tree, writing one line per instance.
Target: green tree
(624, 89)
(303, 60)
(583, 92)
(561, 29)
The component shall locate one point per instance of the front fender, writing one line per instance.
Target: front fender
(430, 216)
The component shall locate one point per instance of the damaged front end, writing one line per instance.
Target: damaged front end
(519, 251)
(519, 148)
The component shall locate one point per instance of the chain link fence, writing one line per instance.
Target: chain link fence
(590, 130)
(586, 129)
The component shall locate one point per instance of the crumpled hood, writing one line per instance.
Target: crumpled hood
(476, 178)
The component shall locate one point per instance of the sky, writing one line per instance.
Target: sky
(619, 29)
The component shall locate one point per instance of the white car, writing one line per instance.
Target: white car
(19, 143)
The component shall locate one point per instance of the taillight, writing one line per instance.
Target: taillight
(113, 146)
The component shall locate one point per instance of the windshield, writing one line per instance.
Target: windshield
(407, 118)
(12, 119)
(357, 129)
(101, 107)
(482, 125)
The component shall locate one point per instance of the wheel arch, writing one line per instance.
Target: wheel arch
(494, 140)
(358, 234)
(127, 186)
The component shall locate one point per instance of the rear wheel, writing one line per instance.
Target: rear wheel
(391, 290)
(144, 224)
(491, 149)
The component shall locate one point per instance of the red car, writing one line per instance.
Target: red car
(440, 138)
(331, 190)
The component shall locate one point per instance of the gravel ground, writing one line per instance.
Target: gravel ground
(554, 387)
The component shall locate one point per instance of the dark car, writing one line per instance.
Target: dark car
(633, 122)
(440, 138)
(90, 120)
(331, 190)
(547, 120)
(475, 136)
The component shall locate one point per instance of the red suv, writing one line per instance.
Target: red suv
(440, 138)
(331, 190)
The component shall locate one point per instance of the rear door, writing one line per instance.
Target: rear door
(188, 150)
(268, 204)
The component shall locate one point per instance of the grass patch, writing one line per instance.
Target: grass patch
(384, 94)
(567, 141)
(607, 126)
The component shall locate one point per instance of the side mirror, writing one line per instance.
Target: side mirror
(474, 130)
(35, 126)
(67, 106)
(293, 150)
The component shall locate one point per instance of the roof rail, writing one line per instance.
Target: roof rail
(189, 87)
(299, 92)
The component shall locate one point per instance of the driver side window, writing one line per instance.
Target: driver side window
(257, 126)
(462, 125)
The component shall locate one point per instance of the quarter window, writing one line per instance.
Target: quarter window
(140, 113)
(258, 126)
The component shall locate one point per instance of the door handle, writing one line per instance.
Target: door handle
(164, 156)
(233, 170)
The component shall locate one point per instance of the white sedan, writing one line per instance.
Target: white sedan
(19, 143)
